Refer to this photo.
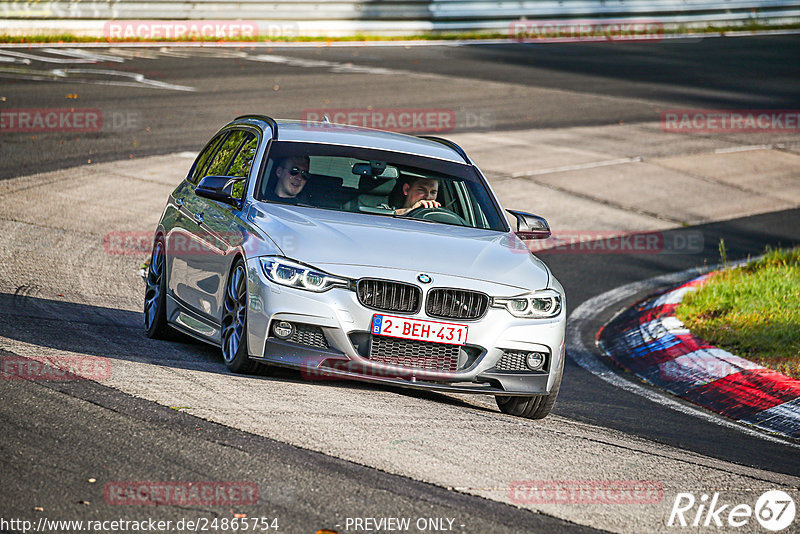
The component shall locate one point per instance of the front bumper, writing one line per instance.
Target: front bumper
(339, 315)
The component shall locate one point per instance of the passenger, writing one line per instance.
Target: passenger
(417, 192)
(292, 176)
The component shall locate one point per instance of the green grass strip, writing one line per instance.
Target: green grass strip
(752, 311)
(430, 36)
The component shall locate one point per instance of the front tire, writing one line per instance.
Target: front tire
(537, 407)
(234, 322)
(155, 296)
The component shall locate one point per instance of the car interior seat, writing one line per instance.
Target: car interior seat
(373, 193)
(325, 191)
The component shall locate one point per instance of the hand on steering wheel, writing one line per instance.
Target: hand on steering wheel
(435, 214)
(417, 205)
(425, 204)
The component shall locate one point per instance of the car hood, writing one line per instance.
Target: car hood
(327, 238)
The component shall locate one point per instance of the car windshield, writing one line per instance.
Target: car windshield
(377, 182)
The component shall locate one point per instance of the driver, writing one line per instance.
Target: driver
(419, 192)
(292, 175)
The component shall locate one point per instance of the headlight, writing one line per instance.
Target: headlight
(290, 273)
(539, 305)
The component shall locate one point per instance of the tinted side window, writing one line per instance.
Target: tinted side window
(204, 157)
(224, 155)
(240, 166)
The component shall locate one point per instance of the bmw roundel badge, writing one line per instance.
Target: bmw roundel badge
(424, 278)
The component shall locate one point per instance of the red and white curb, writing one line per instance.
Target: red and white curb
(650, 342)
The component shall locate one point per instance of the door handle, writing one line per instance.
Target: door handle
(179, 202)
(198, 217)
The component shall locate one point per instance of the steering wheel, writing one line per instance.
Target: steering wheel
(437, 215)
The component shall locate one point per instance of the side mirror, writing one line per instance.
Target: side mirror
(530, 226)
(219, 188)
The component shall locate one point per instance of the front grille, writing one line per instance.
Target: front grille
(512, 361)
(414, 354)
(389, 296)
(456, 304)
(307, 334)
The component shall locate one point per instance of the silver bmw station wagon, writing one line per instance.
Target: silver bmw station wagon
(361, 254)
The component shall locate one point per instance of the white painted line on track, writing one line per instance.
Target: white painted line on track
(583, 356)
(128, 79)
(746, 148)
(340, 67)
(83, 54)
(333, 66)
(137, 80)
(48, 59)
(7, 59)
(581, 166)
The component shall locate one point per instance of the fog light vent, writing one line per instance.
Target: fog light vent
(282, 329)
(517, 360)
(301, 333)
(535, 360)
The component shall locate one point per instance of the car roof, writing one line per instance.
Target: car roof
(342, 134)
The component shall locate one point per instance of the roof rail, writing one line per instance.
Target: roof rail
(268, 120)
(448, 143)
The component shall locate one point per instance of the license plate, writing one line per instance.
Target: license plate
(432, 331)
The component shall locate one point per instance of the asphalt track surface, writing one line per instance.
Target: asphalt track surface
(54, 432)
(510, 86)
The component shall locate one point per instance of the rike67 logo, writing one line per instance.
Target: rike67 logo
(774, 510)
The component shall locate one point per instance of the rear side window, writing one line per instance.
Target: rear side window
(205, 155)
(241, 164)
(223, 157)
